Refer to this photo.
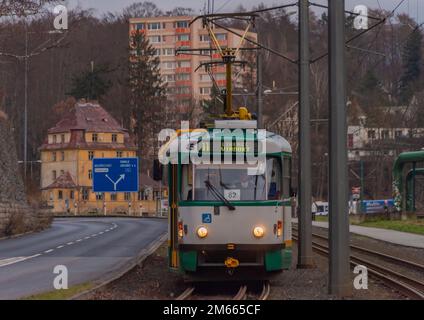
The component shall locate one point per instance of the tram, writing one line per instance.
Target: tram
(229, 219)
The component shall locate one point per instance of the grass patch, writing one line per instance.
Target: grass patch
(61, 294)
(321, 218)
(411, 226)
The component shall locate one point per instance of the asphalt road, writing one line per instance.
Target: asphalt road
(90, 248)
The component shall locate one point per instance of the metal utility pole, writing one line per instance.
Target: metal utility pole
(305, 258)
(260, 100)
(339, 278)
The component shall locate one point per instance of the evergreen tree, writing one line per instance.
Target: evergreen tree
(147, 93)
(91, 84)
(411, 58)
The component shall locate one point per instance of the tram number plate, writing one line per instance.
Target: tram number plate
(232, 194)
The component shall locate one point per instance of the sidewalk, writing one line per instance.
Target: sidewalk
(392, 236)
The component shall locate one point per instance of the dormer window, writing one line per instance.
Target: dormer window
(62, 138)
(94, 137)
(114, 138)
(54, 139)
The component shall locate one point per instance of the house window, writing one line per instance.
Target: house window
(119, 154)
(221, 36)
(371, 134)
(62, 172)
(90, 174)
(114, 138)
(205, 90)
(140, 196)
(62, 155)
(154, 26)
(183, 37)
(168, 51)
(127, 196)
(72, 195)
(169, 78)
(54, 175)
(154, 39)
(385, 134)
(168, 65)
(140, 26)
(85, 194)
(183, 76)
(94, 137)
(54, 139)
(90, 155)
(204, 38)
(113, 197)
(398, 133)
(62, 138)
(60, 195)
(205, 77)
(54, 156)
(100, 196)
(184, 64)
(182, 24)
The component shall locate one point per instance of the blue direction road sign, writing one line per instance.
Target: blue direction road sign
(115, 175)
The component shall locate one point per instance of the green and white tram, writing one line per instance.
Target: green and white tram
(229, 218)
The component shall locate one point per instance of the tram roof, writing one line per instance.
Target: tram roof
(274, 142)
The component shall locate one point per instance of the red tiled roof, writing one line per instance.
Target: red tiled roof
(64, 181)
(87, 116)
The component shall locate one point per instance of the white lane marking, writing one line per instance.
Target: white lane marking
(10, 261)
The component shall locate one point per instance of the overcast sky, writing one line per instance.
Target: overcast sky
(415, 8)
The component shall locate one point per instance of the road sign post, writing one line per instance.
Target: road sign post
(115, 175)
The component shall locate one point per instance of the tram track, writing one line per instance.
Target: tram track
(408, 285)
(242, 293)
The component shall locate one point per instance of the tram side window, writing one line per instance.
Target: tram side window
(286, 177)
(187, 183)
(274, 179)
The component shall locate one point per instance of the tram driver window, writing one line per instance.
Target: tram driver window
(274, 179)
(187, 183)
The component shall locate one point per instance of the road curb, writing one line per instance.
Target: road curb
(19, 235)
(144, 254)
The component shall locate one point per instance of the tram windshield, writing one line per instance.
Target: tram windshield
(232, 182)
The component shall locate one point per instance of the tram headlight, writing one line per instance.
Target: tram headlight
(258, 232)
(202, 232)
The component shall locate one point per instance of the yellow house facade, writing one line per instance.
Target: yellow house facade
(86, 132)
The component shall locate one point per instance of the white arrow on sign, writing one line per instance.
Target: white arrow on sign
(115, 183)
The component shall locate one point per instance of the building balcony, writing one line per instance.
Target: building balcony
(182, 30)
(186, 43)
(183, 83)
(181, 96)
(218, 69)
(183, 70)
(183, 57)
(134, 32)
(221, 82)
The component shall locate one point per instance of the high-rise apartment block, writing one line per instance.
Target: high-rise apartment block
(167, 34)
